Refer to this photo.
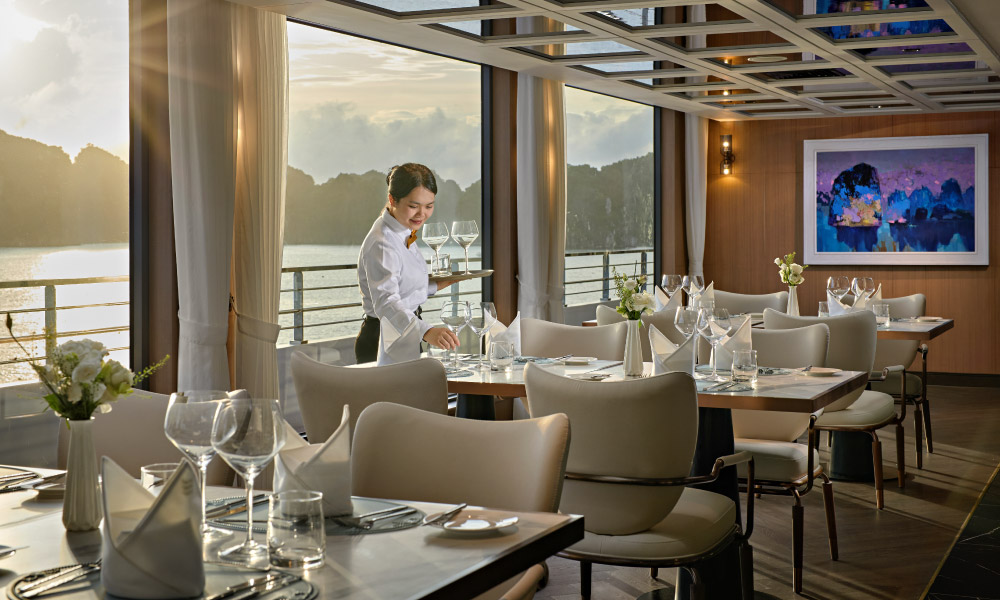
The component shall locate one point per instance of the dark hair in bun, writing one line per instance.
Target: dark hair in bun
(402, 179)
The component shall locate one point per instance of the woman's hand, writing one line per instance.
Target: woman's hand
(441, 337)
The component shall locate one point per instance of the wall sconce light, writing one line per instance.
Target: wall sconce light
(727, 154)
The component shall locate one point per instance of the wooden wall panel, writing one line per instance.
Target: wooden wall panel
(673, 250)
(756, 215)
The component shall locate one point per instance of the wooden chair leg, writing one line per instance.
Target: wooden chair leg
(900, 455)
(585, 579)
(797, 532)
(877, 465)
(653, 573)
(918, 431)
(831, 517)
(927, 424)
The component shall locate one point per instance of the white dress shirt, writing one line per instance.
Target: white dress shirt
(393, 278)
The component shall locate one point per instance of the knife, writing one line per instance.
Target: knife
(445, 515)
(281, 581)
(250, 584)
(233, 508)
(62, 579)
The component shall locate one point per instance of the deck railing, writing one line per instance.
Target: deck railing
(606, 279)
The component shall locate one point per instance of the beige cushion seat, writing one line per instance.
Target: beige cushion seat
(871, 408)
(776, 461)
(695, 525)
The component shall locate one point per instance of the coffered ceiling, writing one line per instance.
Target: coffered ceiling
(723, 59)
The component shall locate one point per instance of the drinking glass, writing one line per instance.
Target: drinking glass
(247, 434)
(881, 310)
(670, 284)
(455, 315)
(713, 325)
(686, 320)
(709, 304)
(152, 477)
(296, 534)
(435, 235)
(838, 286)
(745, 366)
(869, 285)
(857, 286)
(188, 426)
(482, 316)
(442, 264)
(464, 233)
(824, 309)
(501, 356)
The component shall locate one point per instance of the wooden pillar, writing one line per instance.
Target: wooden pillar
(673, 246)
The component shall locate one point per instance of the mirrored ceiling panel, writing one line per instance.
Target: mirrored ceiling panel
(583, 49)
(402, 7)
(483, 29)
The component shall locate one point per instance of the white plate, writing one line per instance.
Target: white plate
(578, 360)
(477, 521)
(51, 491)
(821, 372)
(929, 319)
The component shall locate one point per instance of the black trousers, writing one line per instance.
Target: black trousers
(366, 344)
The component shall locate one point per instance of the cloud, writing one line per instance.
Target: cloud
(56, 63)
(609, 135)
(336, 138)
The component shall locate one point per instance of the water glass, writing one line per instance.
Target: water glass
(296, 534)
(706, 304)
(153, 477)
(442, 264)
(686, 320)
(824, 309)
(671, 283)
(881, 310)
(745, 366)
(501, 356)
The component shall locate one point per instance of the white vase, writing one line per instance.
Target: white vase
(793, 301)
(82, 501)
(632, 363)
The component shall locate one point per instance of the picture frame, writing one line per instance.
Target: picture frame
(921, 200)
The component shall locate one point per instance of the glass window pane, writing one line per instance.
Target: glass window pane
(63, 177)
(609, 207)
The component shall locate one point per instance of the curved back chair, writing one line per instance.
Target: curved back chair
(900, 352)
(633, 442)
(663, 320)
(324, 389)
(132, 435)
(852, 343)
(544, 338)
(750, 303)
(404, 453)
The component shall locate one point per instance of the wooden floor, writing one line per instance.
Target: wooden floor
(891, 553)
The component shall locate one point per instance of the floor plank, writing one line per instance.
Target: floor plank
(886, 554)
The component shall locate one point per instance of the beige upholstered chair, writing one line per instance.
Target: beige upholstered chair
(784, 466)
(852, 347)
(904, 352)
(633, 442)
(324, 389)
(132, 435)
(750, 303)
(663, 321)
(544, 338)
(408, 454)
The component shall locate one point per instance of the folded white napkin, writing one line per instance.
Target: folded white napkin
(667, 302)
(499, 333)
(707, 294)
(739, 338)
(152, 546)
(875, 296)
(322, 467)
(400, 339)
(668, 356)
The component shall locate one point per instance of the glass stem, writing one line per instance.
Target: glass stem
(715, 373)
(434, 267)
(248, 478)
(466, 260)
(204, 477)
(481, 352)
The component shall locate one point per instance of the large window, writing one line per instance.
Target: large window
(357, 108)
(63, 177)
(609, 220)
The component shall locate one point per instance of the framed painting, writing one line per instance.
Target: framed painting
(896, 201)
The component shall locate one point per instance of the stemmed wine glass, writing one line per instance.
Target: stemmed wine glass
(857, 286)
(455, 315)
(464, 233)
(483, 316)
(670, 284)
(695, 283)
(247, 434)
(188, 426)
(713, 325)
(686, 320)
(435, 235)
(869, 285)
(838, 286)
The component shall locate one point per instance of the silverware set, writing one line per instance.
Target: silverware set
(443, 517)
(57, 578)
(256, 587)
(368, 520)
(232, 507)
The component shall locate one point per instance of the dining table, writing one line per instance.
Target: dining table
(416, 563)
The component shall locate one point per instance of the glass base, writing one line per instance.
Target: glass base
(211, 534)
(248, 552)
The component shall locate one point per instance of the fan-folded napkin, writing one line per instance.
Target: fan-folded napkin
(152, 546)
(707, 294)
(499, 333)
(862, 302)
(739, 338)
(400, 339)
(668, 356)
(664, 301)
(322, 467)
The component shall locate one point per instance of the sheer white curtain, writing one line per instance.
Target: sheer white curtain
(202, 83)
(696, 167)
(261, 164)
(541, 190)
(228, 122)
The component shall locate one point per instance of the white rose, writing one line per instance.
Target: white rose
(98, 391)
(75, 393)
(103, 408)
(643, 302)
(794, 279)
(630, 284)
(796, 269)
(777, 261)
(118, 378)
(86, 371)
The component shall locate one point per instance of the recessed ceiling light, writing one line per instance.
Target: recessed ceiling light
(911, 50)
(767, 58)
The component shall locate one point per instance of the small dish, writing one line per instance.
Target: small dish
(821, 372)
(477, 521)
(578, 360)
(51, 491)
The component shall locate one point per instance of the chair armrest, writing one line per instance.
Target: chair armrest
(884, 373)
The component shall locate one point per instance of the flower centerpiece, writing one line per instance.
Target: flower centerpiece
(791, 275)
(633, 302)
(81, 380)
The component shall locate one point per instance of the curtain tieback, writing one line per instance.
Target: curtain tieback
(257, 329)
(202, 334)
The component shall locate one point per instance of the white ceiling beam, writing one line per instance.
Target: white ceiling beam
(686, 29)
(917, 58)
(797, 65)
(655, 73)
(755, 50)
(869, 102)
(470, 13)
(890, 41)
(783, 83)
(963, 27)
(948, 74)
(543, 39)
(958, 87)
(693, 87)
(732, 97)
(963, 97)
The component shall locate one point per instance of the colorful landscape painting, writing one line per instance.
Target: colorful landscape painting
(899, 200)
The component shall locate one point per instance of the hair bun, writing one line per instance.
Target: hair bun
(389, 176)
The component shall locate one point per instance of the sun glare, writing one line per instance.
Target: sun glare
(16, 27)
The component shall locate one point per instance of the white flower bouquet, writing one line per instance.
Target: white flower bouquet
(80, 378)
(633, 302)
(790, 271)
